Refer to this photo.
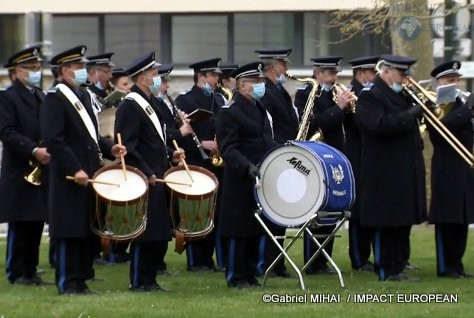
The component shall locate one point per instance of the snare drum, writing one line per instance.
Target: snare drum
(192, 207)
(120, 213)
(303, 177)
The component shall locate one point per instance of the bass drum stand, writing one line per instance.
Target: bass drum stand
(337, 218)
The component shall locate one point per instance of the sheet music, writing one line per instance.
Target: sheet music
(446, 94)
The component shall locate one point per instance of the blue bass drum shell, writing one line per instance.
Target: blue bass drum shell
(303, 177)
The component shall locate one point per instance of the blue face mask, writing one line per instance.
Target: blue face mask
(396, 87)
(155, 88)
(207, 89)
(258, 91)
(281, 79)
(80, 76)
(327, 87)
(99, 85)
(34, 78)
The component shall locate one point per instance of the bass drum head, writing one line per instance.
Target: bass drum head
(292, 185)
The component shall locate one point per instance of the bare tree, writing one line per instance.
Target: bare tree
(407, 22)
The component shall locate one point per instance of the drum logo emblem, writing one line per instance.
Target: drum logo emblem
(337, 174)
(298, 165)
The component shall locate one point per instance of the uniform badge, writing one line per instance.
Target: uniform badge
(337, 174)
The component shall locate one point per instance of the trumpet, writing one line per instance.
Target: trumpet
(338, 89)
(216, 159)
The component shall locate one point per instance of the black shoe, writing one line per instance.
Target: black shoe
(202, 269)
(367, 267)
(72, 291)
(253, 282)
(402, 277)
(39, 281)
(163, 273)
(451, 274)
(411, 267)
(325, 271)
(239, 284)
(148, 288)
(24, 281)
(284, 273)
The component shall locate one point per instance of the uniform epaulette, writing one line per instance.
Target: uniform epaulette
(230, 103)
(303, 87)
(52, 90)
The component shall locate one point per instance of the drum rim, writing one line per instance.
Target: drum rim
(119, 167)
(271, 215)
(203, 170)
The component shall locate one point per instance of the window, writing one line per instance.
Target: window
(198, 37)
(70, 31)
(130, 36)
(11, 35)
(261, 30)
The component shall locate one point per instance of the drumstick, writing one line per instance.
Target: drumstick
(122, 159)
(96, 181)
(183, 161)
(173, 182)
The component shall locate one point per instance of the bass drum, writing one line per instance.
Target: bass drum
(301, 178)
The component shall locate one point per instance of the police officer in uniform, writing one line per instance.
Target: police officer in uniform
(244, 134)
(226, 83)
(284, 118)
(141, 127)
(202, 96)
(70, 131)
(363, 71)
(452, 181)
(99, 69)
(22, 203)
(330, 111)
(392, 166)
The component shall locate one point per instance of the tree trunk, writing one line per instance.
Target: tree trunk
(410, 33)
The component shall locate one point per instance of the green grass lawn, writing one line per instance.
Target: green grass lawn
(207, 295)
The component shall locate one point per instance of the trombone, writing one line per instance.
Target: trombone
(432, 119)
(435, 122)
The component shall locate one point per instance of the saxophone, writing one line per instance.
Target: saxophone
(308, 111)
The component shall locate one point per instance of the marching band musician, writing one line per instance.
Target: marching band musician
(226, 83)
(22, 204)
(70, 131)
(452, 181)
(363, 70)
(99, 71)
(202, 96)
(174, 129)
(244, 134)
(138, 121)
(121, 81)
(392, 167)
(284, 117)
(329, 115)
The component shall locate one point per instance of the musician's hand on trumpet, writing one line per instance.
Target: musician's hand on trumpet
(81, 178)
(42, 155)
(119, 150)
(344, 99)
